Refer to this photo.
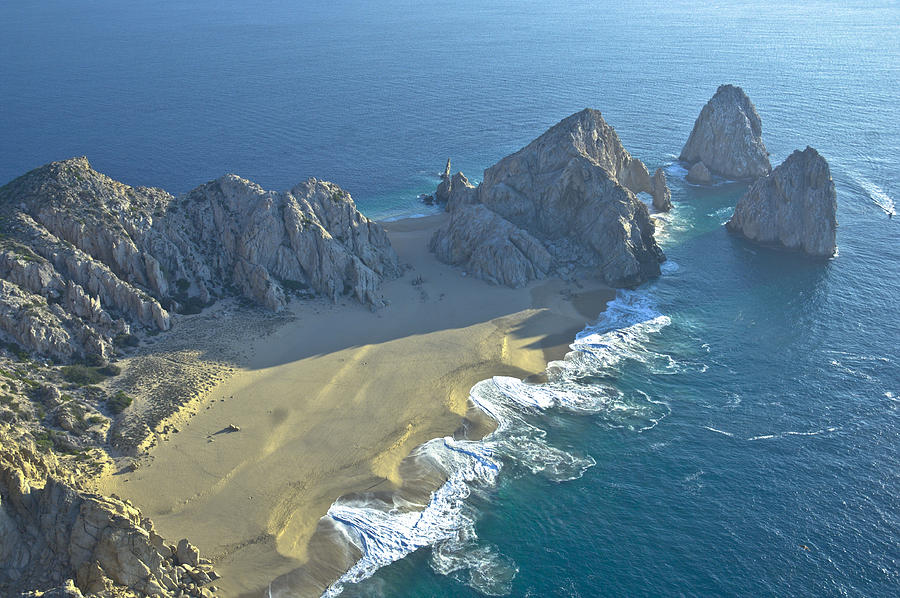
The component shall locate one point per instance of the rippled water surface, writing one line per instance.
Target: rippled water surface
(730, 429)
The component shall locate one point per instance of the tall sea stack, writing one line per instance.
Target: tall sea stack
(794, 207)
(727, 138)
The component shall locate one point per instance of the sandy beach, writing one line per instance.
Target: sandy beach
(331, 400)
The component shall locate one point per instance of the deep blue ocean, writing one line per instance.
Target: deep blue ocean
(731, 429)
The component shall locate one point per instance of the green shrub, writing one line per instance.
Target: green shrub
(110, 370)
(94, 360)
(119, 402)
(81, 375)
(126, 340)
(43, 441)
(293, 285)
(192, 305)
(20, 353)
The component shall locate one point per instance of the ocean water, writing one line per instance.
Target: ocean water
(732, 428)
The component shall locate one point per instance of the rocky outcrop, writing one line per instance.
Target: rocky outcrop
(106, 258)
(566, 201)
(442, 194)
(64, 541)
(491, 247)
(794, 207)
(699, 174)
(659, 189)
(727, 137)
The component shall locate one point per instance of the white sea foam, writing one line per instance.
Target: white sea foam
(669, 266)
(675, 169)
(717, 431)
(793, 433)
(385, 532)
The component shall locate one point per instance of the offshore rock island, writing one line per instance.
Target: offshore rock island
(794, 207)
(565, 202)
(726, 139)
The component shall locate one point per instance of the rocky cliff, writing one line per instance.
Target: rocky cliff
(57, 537)
(727, 138)
(564, 202)
(85, 259)
(795, 206)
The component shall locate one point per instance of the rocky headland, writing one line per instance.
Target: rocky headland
(564, 203)
(726, 140)
(86, 260)
(793, 207)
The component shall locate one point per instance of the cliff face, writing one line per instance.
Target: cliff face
(727, 137)
(564, 201)
(52, 534)
(84, 258)
(795, 206)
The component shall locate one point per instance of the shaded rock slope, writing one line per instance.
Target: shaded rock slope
(57, 538)
(84, 258)
(794, 207)
(727, 139)
(564, 202)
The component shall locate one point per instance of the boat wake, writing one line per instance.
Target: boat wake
(878, 196)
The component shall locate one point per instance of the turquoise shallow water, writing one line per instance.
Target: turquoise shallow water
(744, 406)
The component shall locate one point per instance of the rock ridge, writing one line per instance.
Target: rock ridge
(94, 258)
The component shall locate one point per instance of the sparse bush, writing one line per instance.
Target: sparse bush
(110, 369)
(126, 340)
(293, 286)
(81, 375)
(43, 441)
(20, 353)
(94, 360)
(193, 305)
(119, 402)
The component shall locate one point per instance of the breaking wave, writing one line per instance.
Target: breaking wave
(385, 530)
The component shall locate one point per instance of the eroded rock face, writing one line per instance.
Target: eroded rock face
(659, 189)
(727, 137)
(565, 201)
(794, 207)
(56, 537)
(104, 258)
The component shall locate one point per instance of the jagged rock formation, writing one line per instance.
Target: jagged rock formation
(795, 206)
(56, 537)
(565, 201)
(662, 197)
(442, 194)
(85, 258)
(727, 137)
